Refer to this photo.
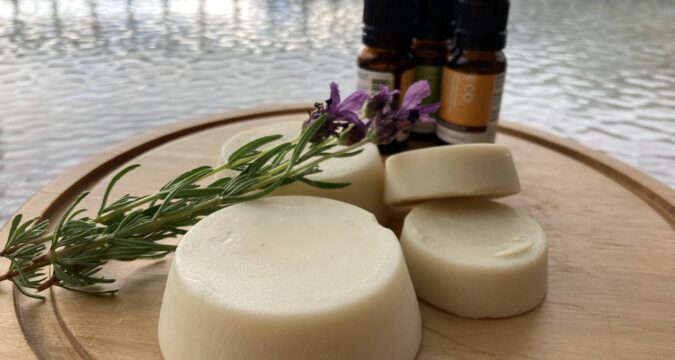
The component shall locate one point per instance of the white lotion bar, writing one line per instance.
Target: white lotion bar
(475, 258)
(290, 277)
(450, 171)
(364, 171)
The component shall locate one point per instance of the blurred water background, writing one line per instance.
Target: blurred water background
(79, 75)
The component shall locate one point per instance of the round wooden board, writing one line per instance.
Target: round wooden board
(611, 245)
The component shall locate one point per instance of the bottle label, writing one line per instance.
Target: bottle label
(407, 79)
(433, 75)
(371, 81)
(470, 107)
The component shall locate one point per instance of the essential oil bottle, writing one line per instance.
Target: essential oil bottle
(473, 77)
(385, 60)
(432, 30)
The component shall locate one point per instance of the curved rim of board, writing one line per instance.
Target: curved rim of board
(655, 193)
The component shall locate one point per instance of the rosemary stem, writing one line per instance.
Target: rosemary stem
(315, 162)
(282, 170)
(10, 250)
(45, 260)
(102, 240)
(158, 195)
(45, 285)
(144, 200)
(35, 265)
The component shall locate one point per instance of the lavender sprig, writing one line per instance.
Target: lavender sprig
(132, 227)
(381, 121)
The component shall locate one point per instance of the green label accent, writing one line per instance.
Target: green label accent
(434, 75)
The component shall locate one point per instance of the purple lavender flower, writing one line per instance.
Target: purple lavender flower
(388, 122)
(385, 120)
(384, 127)
(381, 100)
(341, 115)
(411, 109)
(379, 109)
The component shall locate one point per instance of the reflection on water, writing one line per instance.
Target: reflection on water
(78, 75)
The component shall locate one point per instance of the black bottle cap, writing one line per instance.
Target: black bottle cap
(434, 19)
(481, 24)
(388, 23)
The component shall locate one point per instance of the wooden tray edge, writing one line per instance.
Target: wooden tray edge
(655, 193)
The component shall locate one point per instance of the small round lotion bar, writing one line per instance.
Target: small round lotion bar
(364, 171)
(290, 277)
(450, 171)
(475, 258)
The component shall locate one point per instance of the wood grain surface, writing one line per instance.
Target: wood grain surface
(610, 228)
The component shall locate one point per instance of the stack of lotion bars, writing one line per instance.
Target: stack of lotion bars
(311, 274)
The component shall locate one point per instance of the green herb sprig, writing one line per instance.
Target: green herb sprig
(131, 227)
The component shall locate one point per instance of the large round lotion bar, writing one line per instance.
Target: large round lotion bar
(364, 171)
(450, 171)
(475, 258)
(289, 278)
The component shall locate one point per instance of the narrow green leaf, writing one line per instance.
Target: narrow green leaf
(126, 221)
(220, 182)
(323, 185)
(196, 175)
(88, 291)
(254, 168)
(250, 147)
(24, 292)
(305, 136)
(64, 217)
(316, 151)
(30, 230)
(112, 183)
(12, 230)
(180, 179)
(75, 213)
(350, 154)
(195, 193)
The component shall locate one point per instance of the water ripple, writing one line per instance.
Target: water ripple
(80, 75)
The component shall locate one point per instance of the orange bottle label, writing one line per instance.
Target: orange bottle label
(470, 100)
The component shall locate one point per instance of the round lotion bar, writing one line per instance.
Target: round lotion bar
(475, 258)
(450, 171)
(364, 171)
(289, 278)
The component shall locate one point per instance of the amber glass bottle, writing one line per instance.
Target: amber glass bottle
(473, 77)
(432, 30)
(385, 59)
